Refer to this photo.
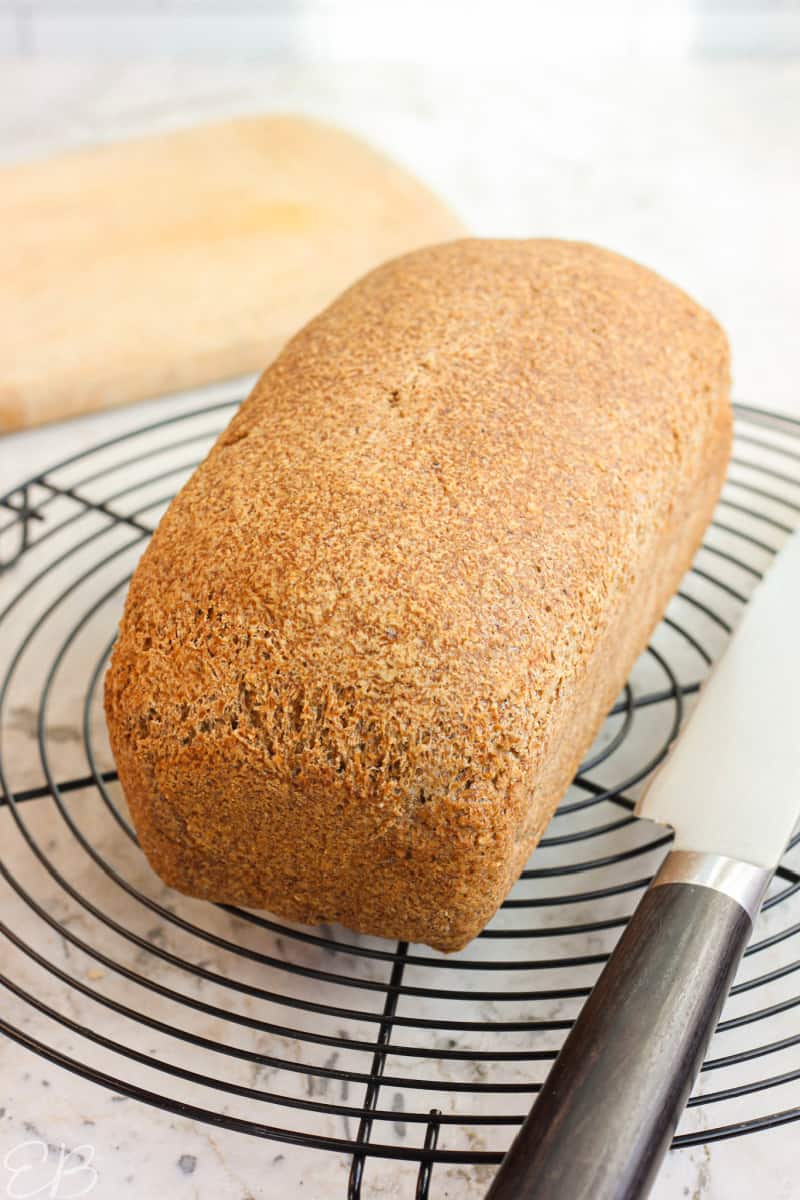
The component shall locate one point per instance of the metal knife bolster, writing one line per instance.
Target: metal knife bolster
(743, 882)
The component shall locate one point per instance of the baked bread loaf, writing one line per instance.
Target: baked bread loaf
(376, 631)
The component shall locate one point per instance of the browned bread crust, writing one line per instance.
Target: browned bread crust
(375, 633)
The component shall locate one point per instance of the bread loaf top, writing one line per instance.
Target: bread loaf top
(386, 576)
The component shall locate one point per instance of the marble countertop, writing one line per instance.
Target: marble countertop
(691, 168)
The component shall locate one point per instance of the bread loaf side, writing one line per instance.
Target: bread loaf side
(377, 630)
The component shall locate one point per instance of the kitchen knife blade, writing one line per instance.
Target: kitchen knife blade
(730, 788)
(731, 783)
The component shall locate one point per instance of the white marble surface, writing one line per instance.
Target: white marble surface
(691, 168)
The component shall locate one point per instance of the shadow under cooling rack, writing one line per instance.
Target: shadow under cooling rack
(323, 1038)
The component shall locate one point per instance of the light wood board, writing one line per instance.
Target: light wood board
(139, 268)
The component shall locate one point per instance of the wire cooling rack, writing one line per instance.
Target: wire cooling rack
(320, 1037)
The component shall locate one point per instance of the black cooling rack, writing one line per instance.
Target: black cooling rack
(319, 1037)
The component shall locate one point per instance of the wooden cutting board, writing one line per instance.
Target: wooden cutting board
(139, 268)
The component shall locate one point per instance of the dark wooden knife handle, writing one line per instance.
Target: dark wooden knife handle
(609, 1107)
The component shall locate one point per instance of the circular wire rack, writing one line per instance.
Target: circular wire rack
(321, 1037)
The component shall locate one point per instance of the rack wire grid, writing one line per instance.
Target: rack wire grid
(320, 1037)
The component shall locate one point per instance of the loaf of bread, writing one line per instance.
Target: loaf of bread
(377, 630)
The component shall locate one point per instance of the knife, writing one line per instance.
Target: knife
(730, 788)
